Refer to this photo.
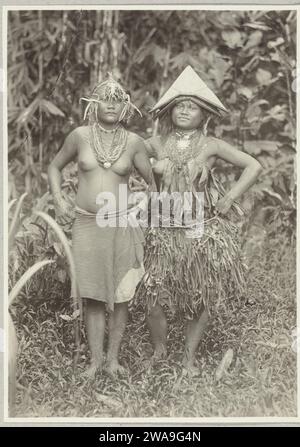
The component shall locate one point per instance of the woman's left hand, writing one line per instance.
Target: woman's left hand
(223, 205)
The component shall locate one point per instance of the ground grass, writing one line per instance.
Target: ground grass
(261, 380)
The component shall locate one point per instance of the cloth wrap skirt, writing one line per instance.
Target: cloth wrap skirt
(108, 260)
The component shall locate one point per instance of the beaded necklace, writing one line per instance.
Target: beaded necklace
(109, 151)
(181, 147)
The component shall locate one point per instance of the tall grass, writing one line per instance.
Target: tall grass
(16, 220)
(13, 342)
(14, 227)
(77, 310)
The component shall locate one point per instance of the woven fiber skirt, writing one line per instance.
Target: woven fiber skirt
(108, 261)
(185, 274)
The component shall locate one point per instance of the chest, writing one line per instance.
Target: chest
(181, 158)
(87, 161)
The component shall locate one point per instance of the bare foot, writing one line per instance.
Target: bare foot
(114, 368)
(91, 372)
(159, 353)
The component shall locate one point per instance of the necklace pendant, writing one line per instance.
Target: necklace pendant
(183, 144)
(107, 164)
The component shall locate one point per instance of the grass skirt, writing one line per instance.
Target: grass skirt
(183, 274)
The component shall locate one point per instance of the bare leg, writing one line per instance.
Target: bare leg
(116, 327)
(95, 326)
(157, 324)
(194, 333)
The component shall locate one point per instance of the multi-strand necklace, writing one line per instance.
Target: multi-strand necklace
(107, 145)
(181, 147)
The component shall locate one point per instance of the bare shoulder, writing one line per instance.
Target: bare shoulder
(137, 145)
(134, 139)
(156, 142)
(74, 136)
(80, 131)
(154, 145)
(81, 137)
(72, 139)
(216, 146)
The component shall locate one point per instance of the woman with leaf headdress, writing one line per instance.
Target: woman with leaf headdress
(108, 255)
(193, 266)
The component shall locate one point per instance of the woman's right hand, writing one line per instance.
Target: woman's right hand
(64, 210)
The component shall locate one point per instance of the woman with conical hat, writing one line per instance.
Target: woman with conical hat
(108, 255)
(192, 270)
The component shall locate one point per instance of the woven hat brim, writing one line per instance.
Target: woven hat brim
(158, 113)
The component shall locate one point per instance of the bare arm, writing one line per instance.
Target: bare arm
(67, 153)
(151, 145)
(142, 163)
(251, 169)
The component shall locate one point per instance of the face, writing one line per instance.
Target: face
(109, 111)
(187, 115)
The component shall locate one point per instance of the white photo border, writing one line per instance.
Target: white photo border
(5, 420)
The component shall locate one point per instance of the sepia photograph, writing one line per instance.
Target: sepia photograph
(150, 195)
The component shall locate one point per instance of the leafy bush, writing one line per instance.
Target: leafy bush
(54, 57)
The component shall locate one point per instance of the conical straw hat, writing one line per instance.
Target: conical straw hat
(189, 83)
